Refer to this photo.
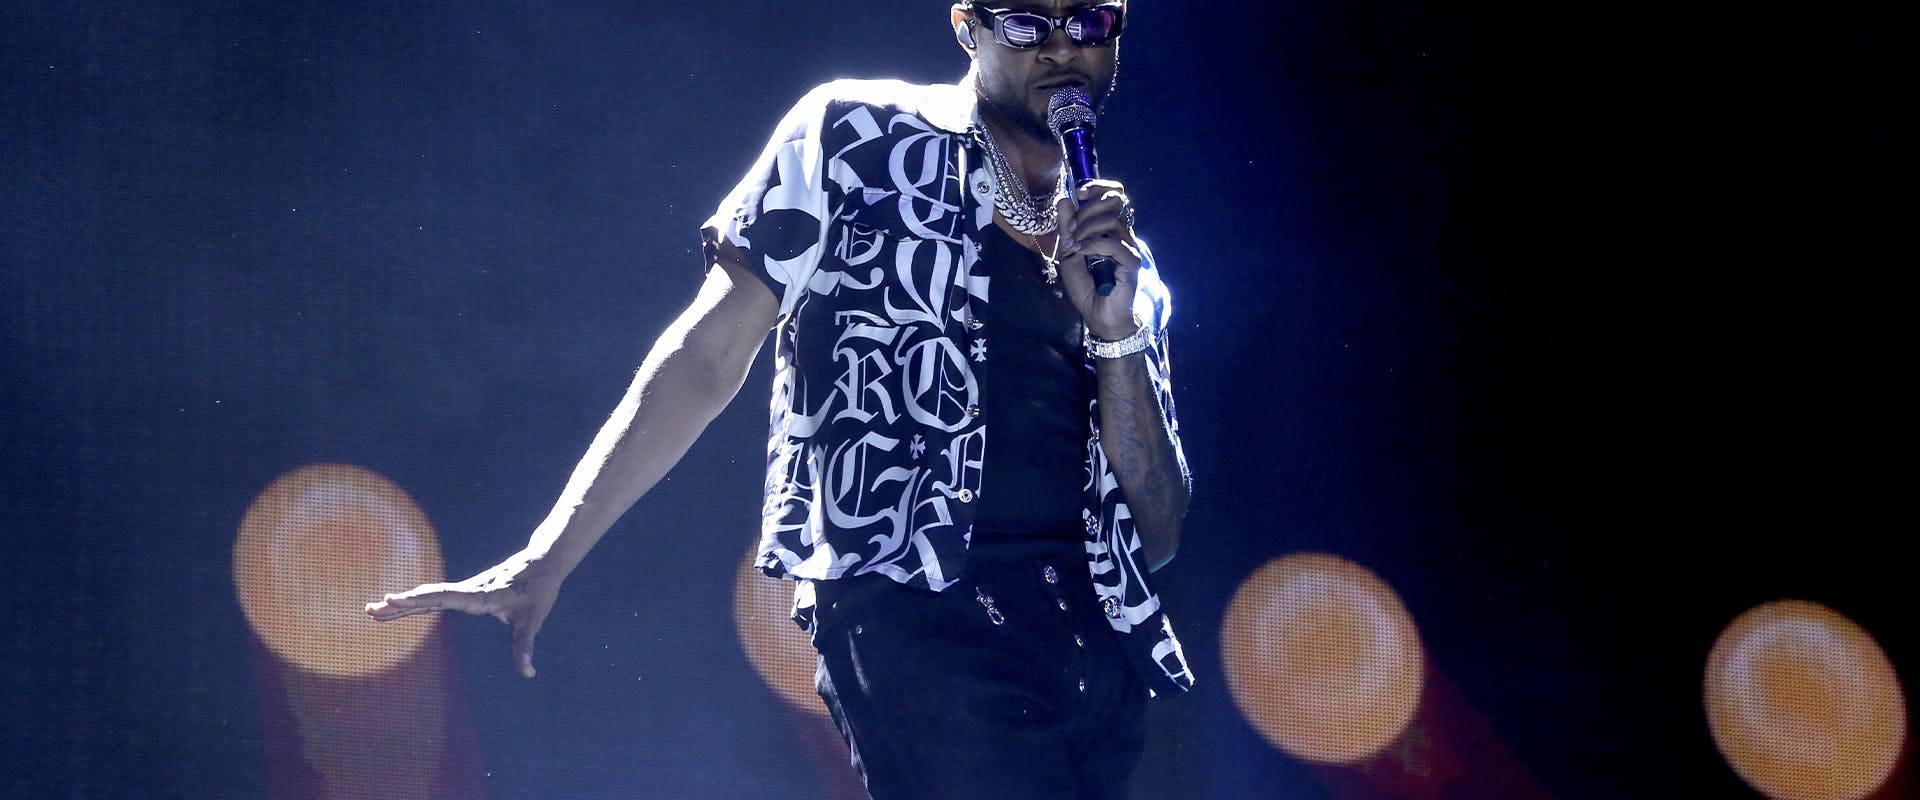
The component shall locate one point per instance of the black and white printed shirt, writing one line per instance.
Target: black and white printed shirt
(863, 216)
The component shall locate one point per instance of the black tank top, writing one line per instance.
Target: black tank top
(1034, 391)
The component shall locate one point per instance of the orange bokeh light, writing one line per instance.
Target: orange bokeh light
(778, 649)
(1322, 658)
(312, 548)
(1804, 704)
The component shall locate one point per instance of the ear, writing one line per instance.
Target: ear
(962, 26)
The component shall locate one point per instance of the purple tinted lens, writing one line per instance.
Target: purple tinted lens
(1025, 30)
(1093, 26)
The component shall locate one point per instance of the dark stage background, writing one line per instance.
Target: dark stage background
(1574, 325)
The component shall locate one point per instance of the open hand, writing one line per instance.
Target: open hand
(519, 591)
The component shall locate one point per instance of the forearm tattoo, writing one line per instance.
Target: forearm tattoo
(1134, 435)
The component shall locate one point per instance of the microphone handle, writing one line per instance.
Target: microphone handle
(1102, 268)
(1076, 145)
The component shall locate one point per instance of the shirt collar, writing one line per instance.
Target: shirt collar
(949, 107)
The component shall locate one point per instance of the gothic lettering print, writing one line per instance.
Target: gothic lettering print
(860, 216)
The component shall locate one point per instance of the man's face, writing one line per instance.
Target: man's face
(1018, 83)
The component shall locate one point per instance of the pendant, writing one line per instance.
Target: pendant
(1049, 268)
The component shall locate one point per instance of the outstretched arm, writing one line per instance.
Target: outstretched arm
(693, 370)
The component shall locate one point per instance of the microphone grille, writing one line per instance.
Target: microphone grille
(1069, 108)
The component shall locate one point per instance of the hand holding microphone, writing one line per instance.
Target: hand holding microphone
(1070, 116)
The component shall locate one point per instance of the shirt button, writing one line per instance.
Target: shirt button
(1079, 641)
(973, 411)
(1062, 604)
(1048, 574)
(1111, 607)
(1083, 685)
(976, 324)
(964, 495)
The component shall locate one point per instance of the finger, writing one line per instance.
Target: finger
(1099, 186)
(382, 613)
(1104, 216)
(1102, 204)
(1074, 277)
(1065, 212)
(1095, 199)
(1095, 226)
(401, 604)
(523, 634)
(1114, 247)
(421, 599)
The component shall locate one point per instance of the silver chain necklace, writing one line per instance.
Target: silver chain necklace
(1010, 196)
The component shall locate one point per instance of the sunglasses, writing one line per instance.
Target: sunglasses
(1025, 30)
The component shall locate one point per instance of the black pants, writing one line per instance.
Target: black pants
(1007, 686)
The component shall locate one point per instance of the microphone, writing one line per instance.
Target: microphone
(1070, 117)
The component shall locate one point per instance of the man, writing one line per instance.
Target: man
(983, 623)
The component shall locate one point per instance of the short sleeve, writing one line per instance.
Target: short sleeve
(777, 215)
(1153, 306)
(1153, 302)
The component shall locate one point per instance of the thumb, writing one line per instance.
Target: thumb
(523, 633)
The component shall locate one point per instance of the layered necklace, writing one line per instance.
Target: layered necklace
(1027, 214)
